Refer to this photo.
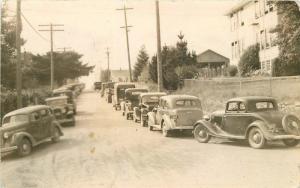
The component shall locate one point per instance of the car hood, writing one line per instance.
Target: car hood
(272, 117)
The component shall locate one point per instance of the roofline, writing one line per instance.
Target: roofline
(237, 7)
(213, 52)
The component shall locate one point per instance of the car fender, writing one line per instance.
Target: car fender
(151, 118)
(259, 124)
(55, 124)
(168, 122)
(20, 135)
(206, 124)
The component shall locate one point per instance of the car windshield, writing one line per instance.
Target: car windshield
(187, 103)
(262, 106)
(16, 119)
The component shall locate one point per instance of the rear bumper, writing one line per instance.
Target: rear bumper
(8, 149)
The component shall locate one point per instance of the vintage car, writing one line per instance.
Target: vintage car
(60, 108)
(119, 93)
(69, 94)
(147, 101)
(97, 85)
(27, 127)
(107, 91)
(256, 119)
(175, 112)
(131, 101)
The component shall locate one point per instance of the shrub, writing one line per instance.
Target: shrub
(232, 70)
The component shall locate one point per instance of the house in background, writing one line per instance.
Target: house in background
(211, 64)
(252, 22)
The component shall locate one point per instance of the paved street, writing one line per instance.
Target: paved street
(106, 150)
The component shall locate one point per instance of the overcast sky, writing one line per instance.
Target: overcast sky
(92, 25)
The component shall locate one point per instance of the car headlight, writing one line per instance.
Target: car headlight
(5, 135)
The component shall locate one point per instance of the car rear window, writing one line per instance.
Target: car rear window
(187, 103)
(262, 106)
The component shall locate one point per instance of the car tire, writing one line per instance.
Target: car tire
(165, 132)
(150, 128)
(56, 135)
(127, 116)
(256, 138)
(201, 134)
(24, 147)
(290, 142)
(123, 113)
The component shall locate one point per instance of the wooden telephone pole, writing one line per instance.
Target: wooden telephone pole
(51, 52)
(159, 63)
(108, 70)
(18, 46)
(127, 39)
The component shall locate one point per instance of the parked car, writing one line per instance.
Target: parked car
(27, 127)
(131, 101)
(119, 93)
(60, 108)
(256, 119)
(97, 85)
(71, 99)
(107, 91)
(146, 103)
(175, 112)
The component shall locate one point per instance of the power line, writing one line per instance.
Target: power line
(38, 33)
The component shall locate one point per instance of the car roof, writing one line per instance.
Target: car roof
(251, 98)
(174, 97)
(55, 98)
(26, 110)
(153, 94)
(62, 90)
(124, 84)
(135, 89)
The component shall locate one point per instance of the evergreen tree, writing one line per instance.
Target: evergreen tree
(142, 61)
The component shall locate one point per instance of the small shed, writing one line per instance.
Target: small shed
(212, 63)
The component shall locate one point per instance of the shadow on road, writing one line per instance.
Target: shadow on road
(45, 148)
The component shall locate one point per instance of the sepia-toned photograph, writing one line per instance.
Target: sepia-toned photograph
(150, 94)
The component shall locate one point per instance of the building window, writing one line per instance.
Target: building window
(257, 14)
(262, 39)
(273, 39)
(232, 50)
(268, 65)
(267, 38)
(263, 67)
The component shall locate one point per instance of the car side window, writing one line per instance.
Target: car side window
(44, 113)
(232, 107)
(34, 116)
(242, 107)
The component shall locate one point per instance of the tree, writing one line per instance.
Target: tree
(8, 48)
(105, 76)
(288, 39)
(142, 61)
(173, 57)
(249, 61)
(67, 65)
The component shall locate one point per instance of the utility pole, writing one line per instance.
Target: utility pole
(51, 48)
(18, 45)
(159, 63)
(127, 40)
(108, 70)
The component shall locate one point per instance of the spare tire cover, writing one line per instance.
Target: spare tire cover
(291, 124)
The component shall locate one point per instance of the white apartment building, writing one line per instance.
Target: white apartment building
(251, 23)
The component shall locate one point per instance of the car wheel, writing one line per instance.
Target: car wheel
(127, 116)
(123, 113)
(165, 132)
(201, 134)
(290, 142)
(56, 135)
(24, 147)
(256, 138)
